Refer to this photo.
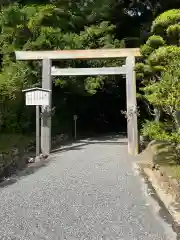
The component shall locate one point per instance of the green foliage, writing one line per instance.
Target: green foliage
(173, 33)
(163, 46)
(164, 56)
(57, 25)
(155, 42)
(164, 20)
(159, 55)
(153, 130)
(160, 88)
(92, 84)
(159, 131)
(173, 30)
(165, 91)
(146, 50)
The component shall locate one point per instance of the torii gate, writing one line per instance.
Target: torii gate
(48, 71)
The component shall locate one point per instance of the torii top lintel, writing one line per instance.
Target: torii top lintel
(78, 54)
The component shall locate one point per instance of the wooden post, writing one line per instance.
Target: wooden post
(37, 132)
(132, 127)
(75, 126)
(46, 117)
(75, 129)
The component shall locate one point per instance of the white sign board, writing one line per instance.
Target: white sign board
(37, 97)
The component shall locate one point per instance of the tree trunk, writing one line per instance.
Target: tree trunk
(176, 116)
(157, 114)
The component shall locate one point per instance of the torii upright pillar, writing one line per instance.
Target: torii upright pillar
(46, 111)
(132, 126)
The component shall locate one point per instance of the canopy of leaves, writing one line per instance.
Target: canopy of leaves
(162, 47)
(165, 92)
(160, 74)
(43, 27)
(163, 21)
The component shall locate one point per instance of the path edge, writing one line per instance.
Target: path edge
(166, 188)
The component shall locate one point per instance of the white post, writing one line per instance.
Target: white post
(46, 117)
(37, 132)
(75, 126)
(75, 130)
(132, 127)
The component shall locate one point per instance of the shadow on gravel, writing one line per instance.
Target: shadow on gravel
(73, 145)
(30, 169)
(110, 140)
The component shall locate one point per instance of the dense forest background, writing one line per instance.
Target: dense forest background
(67, 24)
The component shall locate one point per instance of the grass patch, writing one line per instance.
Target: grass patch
(8, 141)
(166, 157)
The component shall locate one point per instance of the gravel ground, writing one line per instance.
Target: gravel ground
(90, 192)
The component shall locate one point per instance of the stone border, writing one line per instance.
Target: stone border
(167, 188)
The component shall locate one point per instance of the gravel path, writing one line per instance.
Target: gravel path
(87, 193)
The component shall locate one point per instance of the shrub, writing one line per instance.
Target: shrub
(164, 20)
(159, 131)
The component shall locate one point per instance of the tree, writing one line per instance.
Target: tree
(37, 27)
(159, 72)
(159, 52)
